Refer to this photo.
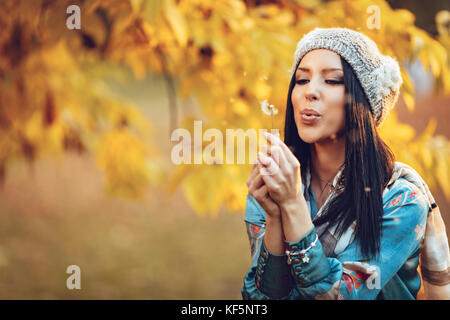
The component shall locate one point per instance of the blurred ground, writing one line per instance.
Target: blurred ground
(57, 214)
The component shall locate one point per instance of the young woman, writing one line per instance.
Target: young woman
(329, 214)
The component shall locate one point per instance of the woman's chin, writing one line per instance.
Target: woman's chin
(308, 137)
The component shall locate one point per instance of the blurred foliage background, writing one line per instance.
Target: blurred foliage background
(86, 117)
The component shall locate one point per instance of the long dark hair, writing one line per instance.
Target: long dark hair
(367, 169)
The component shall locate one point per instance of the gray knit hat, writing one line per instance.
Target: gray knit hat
(379, 75)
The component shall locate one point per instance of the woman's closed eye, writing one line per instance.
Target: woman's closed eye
(329, 81)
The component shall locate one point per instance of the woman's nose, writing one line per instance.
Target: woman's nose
(311, 92)
(311, 96)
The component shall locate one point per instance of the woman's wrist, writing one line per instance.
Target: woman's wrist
(296, 221)
(293, 206)
(273, 220)
(273, 237)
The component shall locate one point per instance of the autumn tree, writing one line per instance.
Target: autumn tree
(228, 55)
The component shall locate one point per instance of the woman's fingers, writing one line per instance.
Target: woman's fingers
(255, 183)
(274, 164)
(276, 141)
(262, 196)
(279, 157)
(254, 172)
(270, 173)
(261, 193)
(269, 166)
(277, 154)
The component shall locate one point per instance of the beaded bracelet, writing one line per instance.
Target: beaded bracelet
(301, 253)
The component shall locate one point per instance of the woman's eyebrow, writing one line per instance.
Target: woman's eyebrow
(324, 70)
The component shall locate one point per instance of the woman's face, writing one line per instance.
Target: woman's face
(318, 96)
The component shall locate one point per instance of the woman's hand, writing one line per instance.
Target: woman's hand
(281, 172)
(273, 236)
(259, 191)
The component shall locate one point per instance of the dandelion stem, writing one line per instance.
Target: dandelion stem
(272, 120)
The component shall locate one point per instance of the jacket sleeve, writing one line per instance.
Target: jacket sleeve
(348, 276)
(280, 282)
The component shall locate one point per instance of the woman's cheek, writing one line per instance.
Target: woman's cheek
(332, 121)
(294, 98)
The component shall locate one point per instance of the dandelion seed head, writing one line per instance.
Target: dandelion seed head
(268, 109)
(265, 107)
(274, 110)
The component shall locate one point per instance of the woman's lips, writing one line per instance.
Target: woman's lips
(310, 119)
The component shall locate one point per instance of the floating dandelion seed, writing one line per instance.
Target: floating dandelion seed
(269, 109)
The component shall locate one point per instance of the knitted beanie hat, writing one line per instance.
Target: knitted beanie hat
(379, 75)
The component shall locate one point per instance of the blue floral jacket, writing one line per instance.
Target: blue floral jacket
(341, 273)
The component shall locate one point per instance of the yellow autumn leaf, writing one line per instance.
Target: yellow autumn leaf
(126, 171)
(443, 175)
(241, 107)
(176, 21)
(409, 100)
(262, 90)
